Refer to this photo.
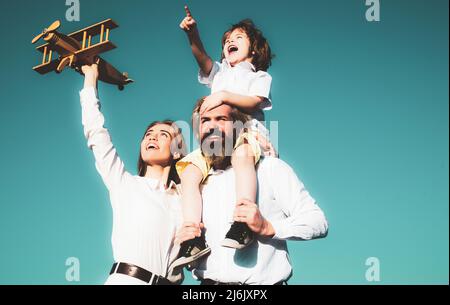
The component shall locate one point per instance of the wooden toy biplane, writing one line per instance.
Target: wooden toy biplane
(77, 49)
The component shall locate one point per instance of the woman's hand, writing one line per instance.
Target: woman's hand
(188, 24)
(90, 75)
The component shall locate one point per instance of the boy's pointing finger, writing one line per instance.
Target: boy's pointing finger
(188, 12)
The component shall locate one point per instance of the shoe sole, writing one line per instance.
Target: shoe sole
(231, 243)
(183, 261)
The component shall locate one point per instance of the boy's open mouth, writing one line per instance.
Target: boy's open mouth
(232, 49)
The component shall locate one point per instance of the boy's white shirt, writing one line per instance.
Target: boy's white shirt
(240, 79)
(145, 215)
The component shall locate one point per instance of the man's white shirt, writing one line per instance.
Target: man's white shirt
(283, 200)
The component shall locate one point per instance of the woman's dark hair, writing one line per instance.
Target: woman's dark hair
(262, 58)
(177, 145)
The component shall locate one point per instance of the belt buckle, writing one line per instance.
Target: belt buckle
(115, 268)
(155, 278)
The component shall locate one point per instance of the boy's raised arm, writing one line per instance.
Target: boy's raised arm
(189, 25)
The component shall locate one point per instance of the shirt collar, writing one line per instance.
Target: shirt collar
(245, 65)
(156, 185)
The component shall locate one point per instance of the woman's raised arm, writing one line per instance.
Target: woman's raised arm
(107, 161)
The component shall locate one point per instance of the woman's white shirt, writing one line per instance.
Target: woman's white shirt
(145, 214)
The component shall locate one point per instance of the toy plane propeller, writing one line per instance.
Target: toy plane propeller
(53, 27)
(77, 49)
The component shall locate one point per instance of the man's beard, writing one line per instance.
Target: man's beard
(218, 153)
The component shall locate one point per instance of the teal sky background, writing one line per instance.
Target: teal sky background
(363, 120)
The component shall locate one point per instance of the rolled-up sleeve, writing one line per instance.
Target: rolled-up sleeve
(207, 80)
(260, 86)
(303, 219)
(107, 161)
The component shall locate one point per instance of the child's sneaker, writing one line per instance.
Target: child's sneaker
(239, 236)
(190, 251)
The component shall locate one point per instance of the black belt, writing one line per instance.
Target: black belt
(139, 273)
(212, 282)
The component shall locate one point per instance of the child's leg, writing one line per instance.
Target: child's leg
(243, 162)
(191, 197)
